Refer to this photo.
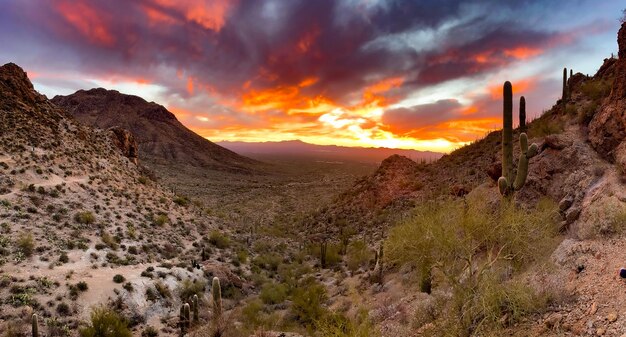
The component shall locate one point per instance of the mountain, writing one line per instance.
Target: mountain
(161, 137)
(328, 152)
(76, 210)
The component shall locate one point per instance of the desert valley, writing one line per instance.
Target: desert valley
(119, 217)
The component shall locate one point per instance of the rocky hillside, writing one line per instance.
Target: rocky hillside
(581, 166)
(76, 212)
(162, 138)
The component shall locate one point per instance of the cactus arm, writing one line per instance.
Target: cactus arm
(522, 165)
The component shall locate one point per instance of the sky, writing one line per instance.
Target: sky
(413, 74)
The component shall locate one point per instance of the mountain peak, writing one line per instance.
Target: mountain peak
(16, 87)
(160, 136)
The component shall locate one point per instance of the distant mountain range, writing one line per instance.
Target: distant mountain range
(325, 152)
(161, 137)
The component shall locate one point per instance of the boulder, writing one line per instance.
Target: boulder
(125, 141)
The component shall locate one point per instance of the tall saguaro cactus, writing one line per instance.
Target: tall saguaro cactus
(508, 182)
(194, 307)
(216, 291)
(522, 114)
(564, 95)
(35, 325)
(507, 132)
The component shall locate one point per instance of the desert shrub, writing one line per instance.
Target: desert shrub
(118, 278)
(605, 217)
(82, 286)
(254, 316)
(108, 240)
(443, 238)
(160, 220)
(596, 89)
(63, 258)
(106, 323)
(181, 201)
(63, 309)
(26, 244)
(307, 303)
(358, 255)
(188, 288)
(162, 289)
(85, 218)
(219, 240)
(149, 331)
(338, 325)
(269, 261)
(586, 113)
(273, 293)
(544, 126)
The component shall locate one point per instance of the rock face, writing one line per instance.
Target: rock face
(607, 130)
(125, 141)
(161, 138)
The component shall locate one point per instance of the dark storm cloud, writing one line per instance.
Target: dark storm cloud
(271, 43)
(423, 115)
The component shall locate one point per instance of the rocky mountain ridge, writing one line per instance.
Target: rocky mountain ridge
(161, 138)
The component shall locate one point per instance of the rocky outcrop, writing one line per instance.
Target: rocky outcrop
(16, 87)
(125, 141)
(607, 130)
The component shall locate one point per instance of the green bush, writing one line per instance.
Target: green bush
(85, 218)
(118, 278)
(307, 303)
(544, 126)
(254, 316)
(358, 255)
(219, 240)
(443, 238)
(162, 289)
(26, 244)
(273, 293)
(596, 89)
(161, 220)
(338, 325)
(181, 201)
(106, 323)
(188, 288)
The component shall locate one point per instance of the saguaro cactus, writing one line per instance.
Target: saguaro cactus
(194, 307)
(506, 184)
(564, 95)
(35, 323)
(186, 311)
(181, 320)
(216, 291)
(522, 114)
(507, 132)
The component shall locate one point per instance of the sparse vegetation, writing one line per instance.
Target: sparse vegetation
(465, 247)
(85, 218)
(106, 323)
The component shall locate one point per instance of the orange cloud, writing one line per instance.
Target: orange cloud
(87, 21)
(190, 85)
(373, 94)
(210, 14)
(519, 87)
(523, 53)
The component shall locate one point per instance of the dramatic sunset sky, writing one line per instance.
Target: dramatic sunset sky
(414, 74)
